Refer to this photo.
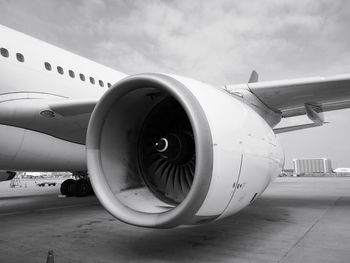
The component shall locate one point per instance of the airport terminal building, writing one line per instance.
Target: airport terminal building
(312, 166)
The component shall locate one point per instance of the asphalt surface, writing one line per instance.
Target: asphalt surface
(295, 220)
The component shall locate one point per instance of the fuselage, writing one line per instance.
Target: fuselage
(32, 70)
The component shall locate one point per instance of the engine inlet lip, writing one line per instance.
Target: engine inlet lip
(186, 210)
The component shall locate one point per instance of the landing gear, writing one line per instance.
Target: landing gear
(68, 187)
(81, 187)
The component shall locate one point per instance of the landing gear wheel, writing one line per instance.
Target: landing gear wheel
(68, 187)
(83, 188)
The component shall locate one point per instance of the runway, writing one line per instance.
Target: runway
(295, 220)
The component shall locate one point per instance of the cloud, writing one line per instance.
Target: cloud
(215, 41)
(222, 41)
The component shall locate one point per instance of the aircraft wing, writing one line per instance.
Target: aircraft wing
(68, 118)
(73, 107)
(300, 96)
(65, 118)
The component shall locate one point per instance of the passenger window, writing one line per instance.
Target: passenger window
(109, 85)
(4, 52)
(20, 57)
(82, 77)
(92, 80)
(60, 70)
(48, 66)
(71, 73)
(101, 83)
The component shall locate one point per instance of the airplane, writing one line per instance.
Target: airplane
(160, 150)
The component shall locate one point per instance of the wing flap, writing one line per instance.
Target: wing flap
(290, 96)
(296, 127)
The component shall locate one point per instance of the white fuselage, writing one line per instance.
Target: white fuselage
(22, 83)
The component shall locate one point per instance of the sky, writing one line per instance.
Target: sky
(218, 42)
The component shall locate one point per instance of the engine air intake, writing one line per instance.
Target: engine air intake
(167, 152)
(149, 151)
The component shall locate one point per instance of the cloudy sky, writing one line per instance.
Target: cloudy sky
(218, 42)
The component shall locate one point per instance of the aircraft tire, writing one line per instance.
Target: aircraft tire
(68, 187)
(83, 188)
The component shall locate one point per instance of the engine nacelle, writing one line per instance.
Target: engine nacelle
(164, 151)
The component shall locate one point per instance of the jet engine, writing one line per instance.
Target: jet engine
(164, 151)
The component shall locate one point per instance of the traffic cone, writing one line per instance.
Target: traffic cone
(50, 258)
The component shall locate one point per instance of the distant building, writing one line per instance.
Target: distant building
(316, 166)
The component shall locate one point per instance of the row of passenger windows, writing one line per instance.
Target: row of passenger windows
(71, 73)
(5, 53)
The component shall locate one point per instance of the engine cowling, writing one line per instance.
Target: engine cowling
(164, 151)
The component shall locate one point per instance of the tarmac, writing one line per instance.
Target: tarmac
(295, 220)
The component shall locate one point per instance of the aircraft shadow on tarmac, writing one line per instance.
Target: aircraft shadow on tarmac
(239, 234)
(259, 227)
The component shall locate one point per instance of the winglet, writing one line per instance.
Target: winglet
(254, 77)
